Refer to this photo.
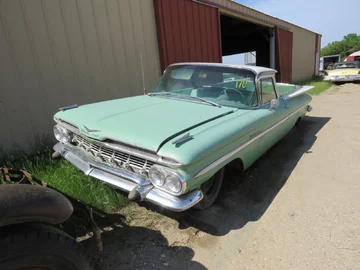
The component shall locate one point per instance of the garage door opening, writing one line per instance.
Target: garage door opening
(241, 36)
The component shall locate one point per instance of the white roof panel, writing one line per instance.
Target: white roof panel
(254, 69)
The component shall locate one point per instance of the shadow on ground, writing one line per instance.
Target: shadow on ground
(246, 195)
(136, 247)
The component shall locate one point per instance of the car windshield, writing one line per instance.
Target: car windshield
(345, 65)
(211, 85)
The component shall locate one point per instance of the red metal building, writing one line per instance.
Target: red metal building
(207, 30)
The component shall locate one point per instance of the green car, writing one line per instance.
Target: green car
(170, 147)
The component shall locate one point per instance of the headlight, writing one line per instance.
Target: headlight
(173, 183)
(166, 179)
(62, 134)
(157, 176)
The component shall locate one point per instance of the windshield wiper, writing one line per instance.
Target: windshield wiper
(203, 100)
(164, 93)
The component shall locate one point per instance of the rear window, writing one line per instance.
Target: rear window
(344, 65)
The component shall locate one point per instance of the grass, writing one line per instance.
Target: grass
(319, 83)
(65, 177)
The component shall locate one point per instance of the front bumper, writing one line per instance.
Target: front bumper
(127, 181)
(346, 78)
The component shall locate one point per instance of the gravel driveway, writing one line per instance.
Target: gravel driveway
(295, 208)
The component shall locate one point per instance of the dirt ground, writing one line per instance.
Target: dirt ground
(295, 208)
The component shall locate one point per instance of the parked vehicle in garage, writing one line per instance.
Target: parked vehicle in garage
(348, 71)
(170, 147)
(327, 62)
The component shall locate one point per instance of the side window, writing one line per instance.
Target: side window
(267, 90)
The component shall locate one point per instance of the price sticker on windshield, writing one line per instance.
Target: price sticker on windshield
(241, 84)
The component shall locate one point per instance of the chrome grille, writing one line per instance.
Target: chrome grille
(113, 158)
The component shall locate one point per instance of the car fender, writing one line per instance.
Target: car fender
(28, 203)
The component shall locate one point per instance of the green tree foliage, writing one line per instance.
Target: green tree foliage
(349, 44)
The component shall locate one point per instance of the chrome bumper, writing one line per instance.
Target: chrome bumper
(349, 78)
(127, 181)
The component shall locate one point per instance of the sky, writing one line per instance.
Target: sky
(333, 19)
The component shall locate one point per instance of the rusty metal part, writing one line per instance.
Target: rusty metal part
(96, 231)
(20, 177)
(56, 155)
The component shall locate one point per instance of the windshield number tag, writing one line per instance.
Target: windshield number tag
(241, 84)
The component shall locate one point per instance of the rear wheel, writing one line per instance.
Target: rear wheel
(41, 247)
(211, 190)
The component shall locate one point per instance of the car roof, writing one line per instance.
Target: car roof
(347, 62)
(255, 69)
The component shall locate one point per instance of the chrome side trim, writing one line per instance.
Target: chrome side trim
(241, 147)
(128, 150)
(68, 107)
(184, 138)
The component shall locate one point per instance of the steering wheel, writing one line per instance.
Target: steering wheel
(234, 89)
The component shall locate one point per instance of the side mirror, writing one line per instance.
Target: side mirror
(274, 103)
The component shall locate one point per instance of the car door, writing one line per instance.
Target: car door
(272, 125)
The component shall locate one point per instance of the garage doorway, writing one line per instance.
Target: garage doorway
(240, 36)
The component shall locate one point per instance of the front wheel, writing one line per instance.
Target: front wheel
(211, 190)
(43, 247)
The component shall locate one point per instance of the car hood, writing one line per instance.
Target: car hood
(142, 121)
(345, 71)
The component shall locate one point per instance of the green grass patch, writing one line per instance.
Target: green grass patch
(64, 176)
(319, 83)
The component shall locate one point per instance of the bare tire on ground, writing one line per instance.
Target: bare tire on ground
(211, 189)
(42, 247)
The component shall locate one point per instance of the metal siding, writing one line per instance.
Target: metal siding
(60, 52)
(183, 34)
(187, 31)
(10, 81)
(197, 36)
(316, 51)
(175, 30)
(190, 30)
(284, 53)
(16, 28)
(303, 54)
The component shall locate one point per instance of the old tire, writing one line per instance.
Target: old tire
(41, 247)
(211, 190)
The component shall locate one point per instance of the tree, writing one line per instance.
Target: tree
(349, 44)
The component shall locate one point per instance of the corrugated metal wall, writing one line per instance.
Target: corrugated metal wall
(59, 52)
(284, 52)
(317, 55)
(303, 54)
(187, 31)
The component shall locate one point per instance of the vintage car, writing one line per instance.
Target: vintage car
(348, 71)
(170, 146)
